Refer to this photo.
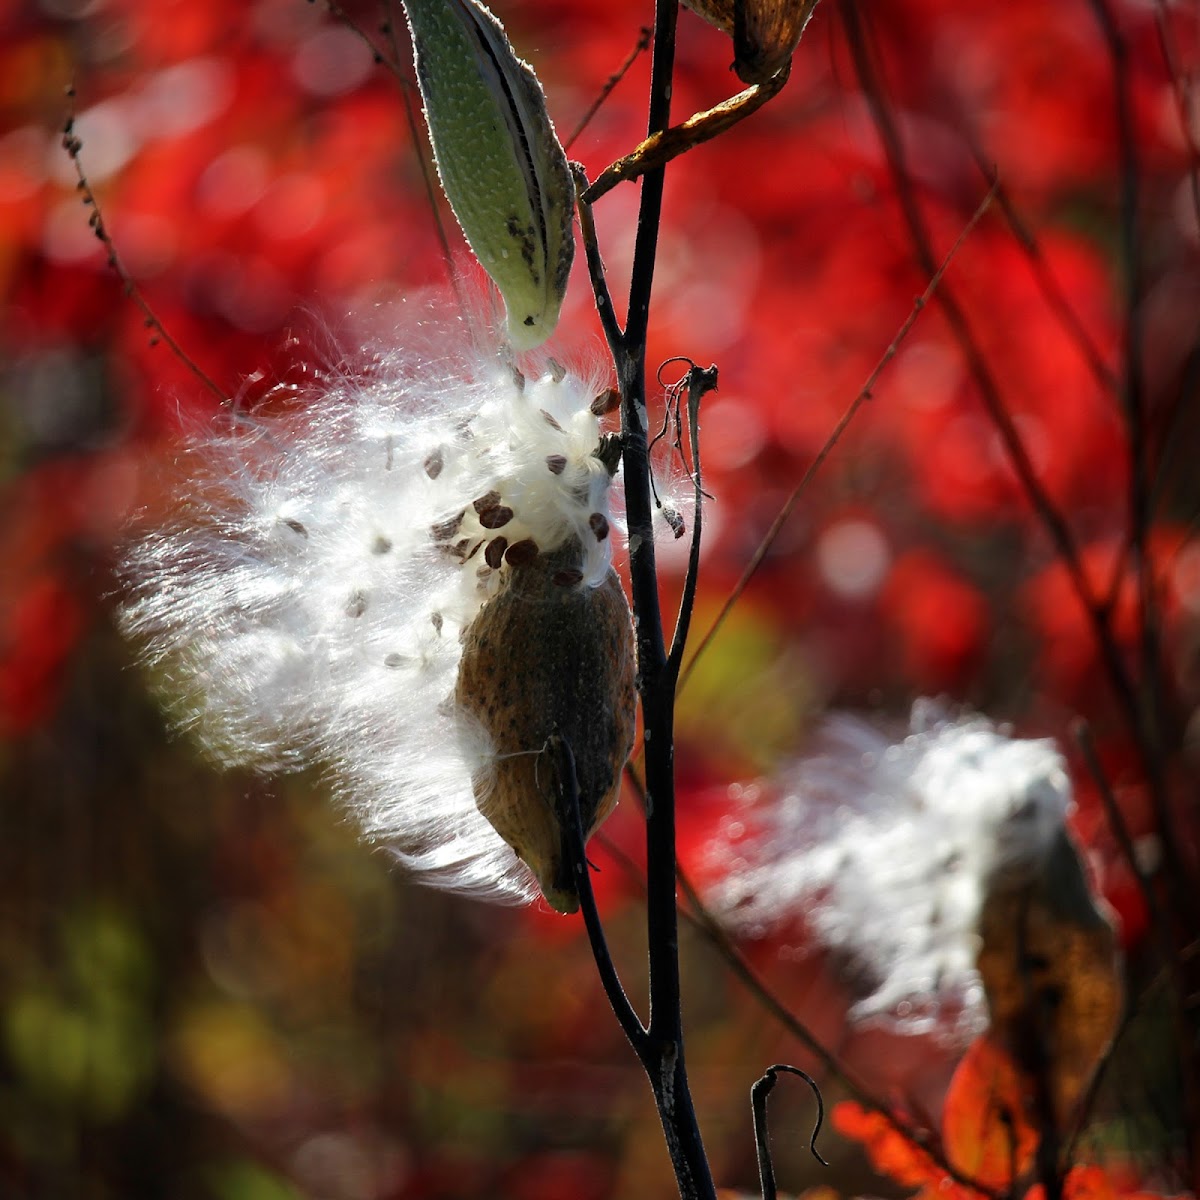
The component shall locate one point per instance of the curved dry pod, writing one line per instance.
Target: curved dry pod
(764, 32)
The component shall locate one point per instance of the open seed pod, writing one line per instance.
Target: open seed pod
(764, 32)
(548, 654)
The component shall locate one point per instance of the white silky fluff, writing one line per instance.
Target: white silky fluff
(888, 852)
(297, 610)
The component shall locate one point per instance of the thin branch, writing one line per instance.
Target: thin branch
(864, 394)
(1047, 281)
(72, 144)
(758, 1107)
(595, 264)
(1184, 100)
(641, 46)
(662, 146)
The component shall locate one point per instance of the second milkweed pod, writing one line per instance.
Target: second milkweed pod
(501, 164)
(764, 32)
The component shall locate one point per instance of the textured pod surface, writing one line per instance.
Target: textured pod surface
(498, 157)
(764, 32)
(1050, 970)
(547, 655)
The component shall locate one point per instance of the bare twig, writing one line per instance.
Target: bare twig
(662, 146)
(640, 47)
(1048, 285)
(74, 147)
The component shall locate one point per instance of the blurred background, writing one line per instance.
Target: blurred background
(208, 986)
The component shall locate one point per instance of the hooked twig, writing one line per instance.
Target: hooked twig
(697, 383)
(758, 1108)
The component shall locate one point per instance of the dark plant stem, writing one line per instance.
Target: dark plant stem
(659, 1044)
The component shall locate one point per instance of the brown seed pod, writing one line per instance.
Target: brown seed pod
(764, 32)
(1049, 966)
(542, 659)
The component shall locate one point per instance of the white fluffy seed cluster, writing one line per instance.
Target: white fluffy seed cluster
(888, 851)
(306, 604)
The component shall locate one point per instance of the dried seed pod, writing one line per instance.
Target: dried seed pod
(541, 659)
(764, 32)
(1050, 969)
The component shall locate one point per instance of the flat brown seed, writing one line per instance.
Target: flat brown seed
(550, 420)
(521, 553)
(434, 463)
(608, 401)
(295, 526)
(568, 577)
(491, 500)
(381, 545)
(393, 661)
(435, 619)
(356, 605)
(495, 518)
(494, 554)
(557, 463)
(443, 531)
(598, 523)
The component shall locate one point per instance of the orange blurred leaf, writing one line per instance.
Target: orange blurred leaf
(891, 1153)
(984, 1128)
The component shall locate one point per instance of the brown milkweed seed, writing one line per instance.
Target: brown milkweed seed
(434, 464)
(607, 402)
(295, 526)
(490, 500)
(442, 532)
(435, 619)
(381, 545)
(598, 523)
(521, 553)
(557, 463)
(356, 605)
(494, 554)
(495, 518)
(550, 420)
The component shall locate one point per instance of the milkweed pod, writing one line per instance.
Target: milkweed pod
(502, 167)
(764, 32)
(550, 655)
